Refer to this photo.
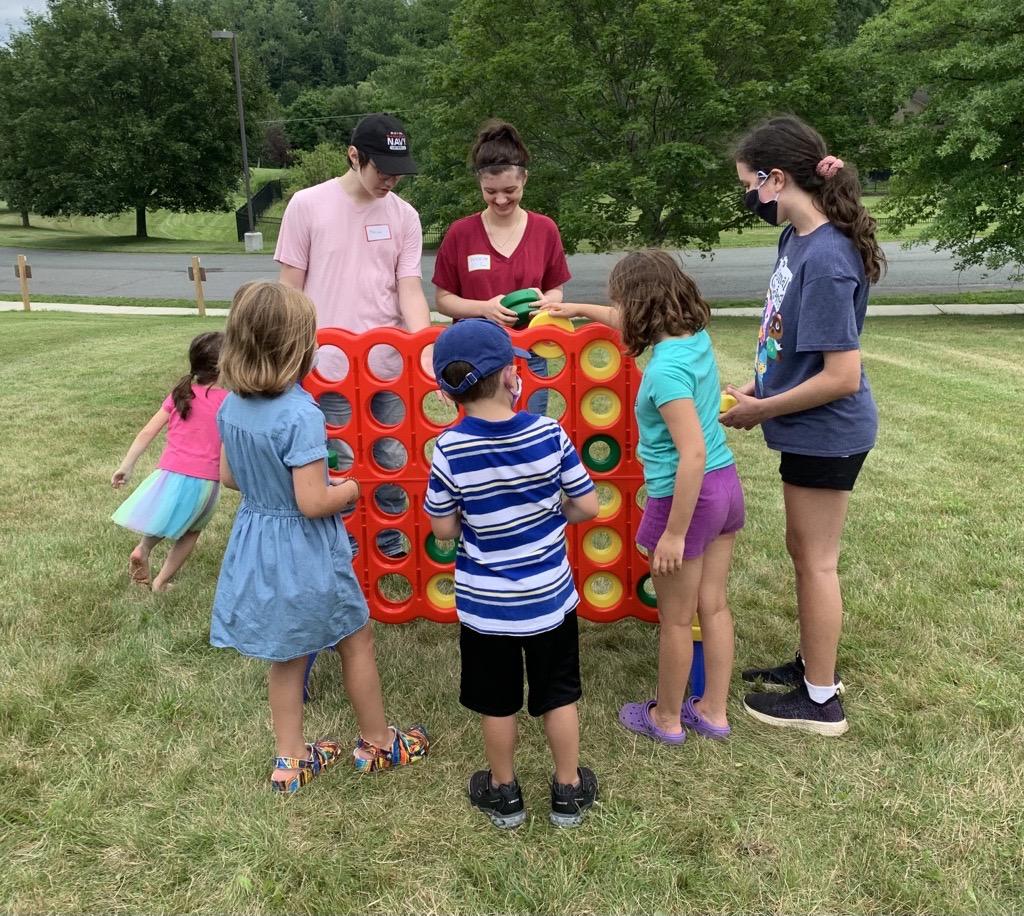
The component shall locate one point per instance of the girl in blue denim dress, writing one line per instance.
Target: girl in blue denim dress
(286, 586)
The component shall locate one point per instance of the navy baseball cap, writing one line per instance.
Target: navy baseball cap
(382, 138)
(483, 344)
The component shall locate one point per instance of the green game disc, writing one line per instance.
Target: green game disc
(647, 597)
(601, 465)
(438, 555)
(332, 459)
(521, 302)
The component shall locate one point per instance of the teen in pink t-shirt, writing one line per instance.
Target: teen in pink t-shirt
(354, 248)
(178, 498)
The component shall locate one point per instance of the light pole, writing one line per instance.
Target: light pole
(241, 120)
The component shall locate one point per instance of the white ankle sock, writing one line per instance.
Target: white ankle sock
(820, 694)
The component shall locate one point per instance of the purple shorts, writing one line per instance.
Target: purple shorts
(719, 511)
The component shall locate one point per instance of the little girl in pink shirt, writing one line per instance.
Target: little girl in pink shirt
(178, 498)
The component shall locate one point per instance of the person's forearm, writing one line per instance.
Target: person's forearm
(689, 479)
(415, 312)
(457, 307)
(817, 390)
(603, 314)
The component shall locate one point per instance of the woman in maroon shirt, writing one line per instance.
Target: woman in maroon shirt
(487, 255)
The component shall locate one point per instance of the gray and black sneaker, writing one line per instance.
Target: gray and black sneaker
(788, 674)
(569, 803)
(796, 709)
(502, 804)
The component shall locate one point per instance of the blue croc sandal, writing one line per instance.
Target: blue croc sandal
(636, 717)
(693, 719)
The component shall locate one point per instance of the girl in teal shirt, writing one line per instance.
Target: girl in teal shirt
(694, 499)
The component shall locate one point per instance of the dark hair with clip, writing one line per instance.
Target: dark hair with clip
(787, 143)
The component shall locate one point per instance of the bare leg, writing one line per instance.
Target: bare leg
(362, 684)
(176, 557)
(138, 560)
(285, 689)
(814, 527)
(562, 726)
(500, 747)
(677, 603)
(716, 629)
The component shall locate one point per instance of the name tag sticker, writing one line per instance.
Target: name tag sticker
(478, 262)
(378, 233)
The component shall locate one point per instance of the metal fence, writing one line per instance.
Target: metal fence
(262, 201)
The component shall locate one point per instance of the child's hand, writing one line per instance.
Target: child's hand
(668, 555)
(121, 477)
(559, 309)
(342, 481)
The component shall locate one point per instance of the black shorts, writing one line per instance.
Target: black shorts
(492, 670)
(821, 473)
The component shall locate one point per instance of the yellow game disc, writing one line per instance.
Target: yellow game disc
(603, 590)
(441, 591)
(601, 407)
(728, 403)
(600, 360)
(609, 499)
(546, 348)
(602, 545)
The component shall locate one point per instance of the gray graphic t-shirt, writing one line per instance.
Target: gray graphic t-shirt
(816, 302)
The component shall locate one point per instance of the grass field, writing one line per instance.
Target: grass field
(134, 757)
(194, 233)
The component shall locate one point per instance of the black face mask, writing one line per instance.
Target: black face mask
(769, 211)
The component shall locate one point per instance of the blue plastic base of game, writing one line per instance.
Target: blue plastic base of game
(696, 673)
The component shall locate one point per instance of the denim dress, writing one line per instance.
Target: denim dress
(286, 585)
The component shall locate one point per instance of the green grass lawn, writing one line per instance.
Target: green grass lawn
(194, 233)
(134, 756)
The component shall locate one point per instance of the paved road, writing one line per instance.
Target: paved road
(733, 273)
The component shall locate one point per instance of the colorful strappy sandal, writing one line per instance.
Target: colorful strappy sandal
(322, 755)
(408, 747)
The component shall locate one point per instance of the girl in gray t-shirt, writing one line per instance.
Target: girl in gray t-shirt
(809, 393)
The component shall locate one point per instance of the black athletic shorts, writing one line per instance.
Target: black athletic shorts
(492, 670)
(821, 473)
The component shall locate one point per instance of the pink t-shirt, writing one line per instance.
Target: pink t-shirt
(353, 255)
(469, 266)
(193, 445)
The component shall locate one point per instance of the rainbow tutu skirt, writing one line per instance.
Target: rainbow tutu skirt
(168, 505)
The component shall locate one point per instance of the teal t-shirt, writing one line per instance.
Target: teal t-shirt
(680, 367)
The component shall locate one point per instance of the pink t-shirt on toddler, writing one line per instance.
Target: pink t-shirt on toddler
(193, 445)
(353, 255)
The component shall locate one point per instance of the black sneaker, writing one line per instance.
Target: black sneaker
(789, 674)
(570, 803)
(502, 804)
(797, 710)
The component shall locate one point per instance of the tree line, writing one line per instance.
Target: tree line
(629, 106)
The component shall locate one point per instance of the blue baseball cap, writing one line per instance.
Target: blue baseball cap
(483, 344)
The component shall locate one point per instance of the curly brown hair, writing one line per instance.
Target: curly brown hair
(655, 298)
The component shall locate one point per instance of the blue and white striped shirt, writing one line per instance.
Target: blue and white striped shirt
(506, 478)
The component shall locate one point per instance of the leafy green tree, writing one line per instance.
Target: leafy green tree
(310, 167)
(947, 83)
(629, 108)
(325, 115)
(124, 105)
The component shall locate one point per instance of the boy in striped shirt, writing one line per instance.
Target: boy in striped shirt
(496, 485)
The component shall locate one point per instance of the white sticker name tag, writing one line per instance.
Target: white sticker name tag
(378, 233)
(478, 262)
